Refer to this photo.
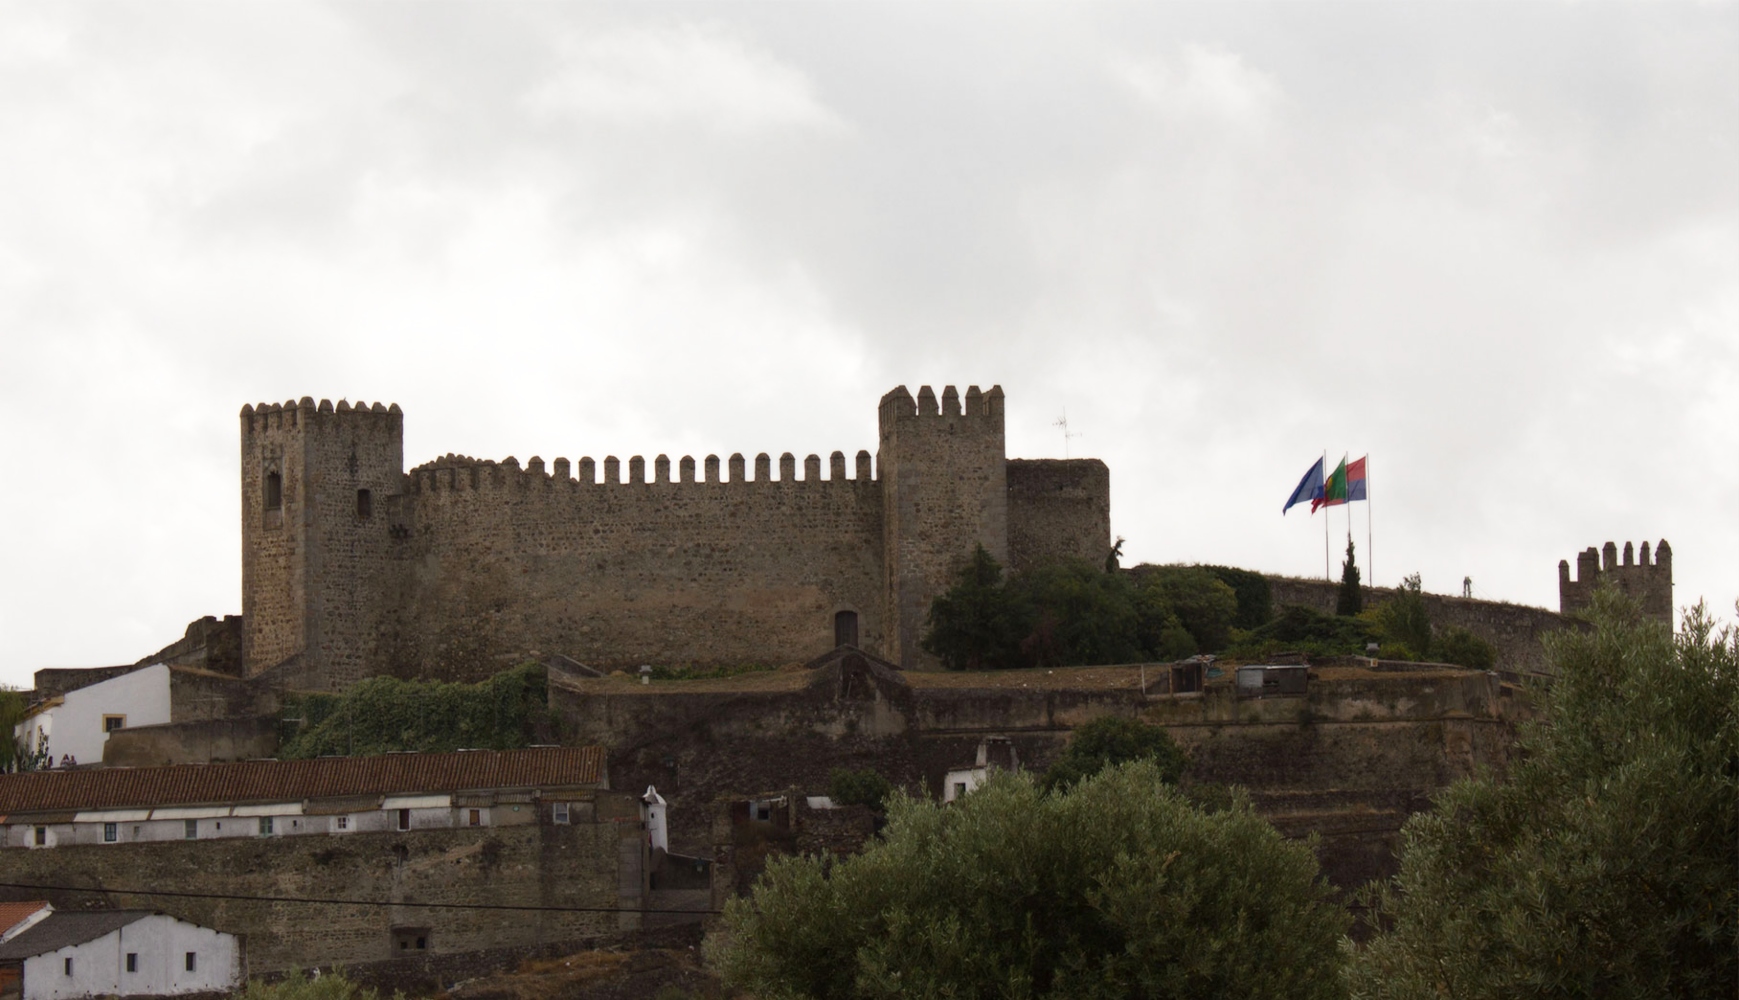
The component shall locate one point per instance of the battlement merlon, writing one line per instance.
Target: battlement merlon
(899, 405)
(1635, 573)
(295, 413)
(451, 472)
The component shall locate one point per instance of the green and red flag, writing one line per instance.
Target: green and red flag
(1334, 488)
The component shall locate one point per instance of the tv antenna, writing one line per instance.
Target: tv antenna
(1063, 422)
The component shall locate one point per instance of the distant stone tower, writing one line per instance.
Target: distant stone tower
(1649, 583)
(317, 482)
(944, 490)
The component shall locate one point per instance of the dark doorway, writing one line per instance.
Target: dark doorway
(845, 628)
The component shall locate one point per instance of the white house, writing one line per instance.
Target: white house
(994, 753)
(335, 796)
(77, 724)
(121, 953)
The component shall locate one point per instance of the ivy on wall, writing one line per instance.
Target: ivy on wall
(385, 714)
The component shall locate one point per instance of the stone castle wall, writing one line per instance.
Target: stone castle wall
(615, 574)
(1057, 509)
(352, 567)
(1648, 581)
(535, 864)
(1514, 629)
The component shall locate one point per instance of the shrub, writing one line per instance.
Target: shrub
(1080, 615)
(384, 714)
(298, 985)
(1402, 619)
(1203, 604)
(977, 624)
(1459, 646)
(1112, 740)
(858, 788)
(1255, 600)
(1116, 887)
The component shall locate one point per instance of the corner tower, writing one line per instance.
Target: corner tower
(944, 491)
(1648, 582)
(317, 485)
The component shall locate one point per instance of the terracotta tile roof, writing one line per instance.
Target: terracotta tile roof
(294, 780)
(12, 913)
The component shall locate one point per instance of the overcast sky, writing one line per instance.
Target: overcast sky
(1496, 246)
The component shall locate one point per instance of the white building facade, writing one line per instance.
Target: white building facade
(123, 953)
(75, 725)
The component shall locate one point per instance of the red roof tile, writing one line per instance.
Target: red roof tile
(293, 780)
(12, 913)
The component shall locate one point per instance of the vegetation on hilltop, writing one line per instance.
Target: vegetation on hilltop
(1114, 887)
(385, 714)
(1602, 864)
(1109, 741)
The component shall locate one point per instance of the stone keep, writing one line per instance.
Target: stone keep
(352, 567)
(1648, 582)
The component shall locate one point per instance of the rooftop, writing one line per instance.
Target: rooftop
(292, 780)
(60, 929)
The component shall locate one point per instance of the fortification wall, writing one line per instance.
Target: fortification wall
(1648, 581)
(717, 567)
(204, 741)
(533, 864)
(1058, 510)
(1514, 629)
(944, 492)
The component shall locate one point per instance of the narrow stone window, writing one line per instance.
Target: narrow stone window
(192, 962)
(42, 836)
(132, 961)
(274, 491)
(190, 829)
(845, 628)
(364, 504)
(67, 967)
(404, 819)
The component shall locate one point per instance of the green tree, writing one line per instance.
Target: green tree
(1351, 599)
(1111, 740)
(297, 985)
(1403, 620)
(858, 788)
(1602, 865)
(384, 714)
(1204, 604)
(1115, 888)
(977, 624)
(1079, 615)
(1255, 598)
(1459, 646)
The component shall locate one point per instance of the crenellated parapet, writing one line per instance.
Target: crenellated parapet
(462, 472)
(1648, 580)
(300, 413)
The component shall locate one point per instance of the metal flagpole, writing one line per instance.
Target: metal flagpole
(1370, 562)
(1325, 574)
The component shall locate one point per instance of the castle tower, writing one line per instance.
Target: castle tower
(944, 490)
(1649, 583)
(317, 482)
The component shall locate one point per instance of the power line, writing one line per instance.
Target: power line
(327, 901)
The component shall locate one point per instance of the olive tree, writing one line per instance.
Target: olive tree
(1603, 863)
(1116, 887)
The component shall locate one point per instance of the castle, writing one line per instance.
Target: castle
(1649, 583)
(352, 567)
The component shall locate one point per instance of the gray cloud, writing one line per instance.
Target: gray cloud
(1496, 247)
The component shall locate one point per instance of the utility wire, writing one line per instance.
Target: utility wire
(328, 901)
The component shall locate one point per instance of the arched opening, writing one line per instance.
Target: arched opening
(845, 628)
(274, 491)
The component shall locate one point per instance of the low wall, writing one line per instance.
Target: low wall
(536, 865)
(1514, 629)
(205, 741)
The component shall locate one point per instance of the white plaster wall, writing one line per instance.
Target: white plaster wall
(970, 777)
(161, 942)
(76, 725)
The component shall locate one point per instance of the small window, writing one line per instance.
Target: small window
(274, 491)
(404, 819)
(475, 818)
(364, 504)
(42, 836)
(132, 961)
(959, 789)
(343, 822)
(410, 938)
(265, 826)
(192, 961)
(111, 833)
(422, 943)
(190, 829)
(114, 722)
(559, 813)
(66, 966)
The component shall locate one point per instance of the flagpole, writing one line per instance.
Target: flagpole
(1325, 575)
(1370, 563)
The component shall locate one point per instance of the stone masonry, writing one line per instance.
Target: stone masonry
(352, 567)
(1649, 582)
